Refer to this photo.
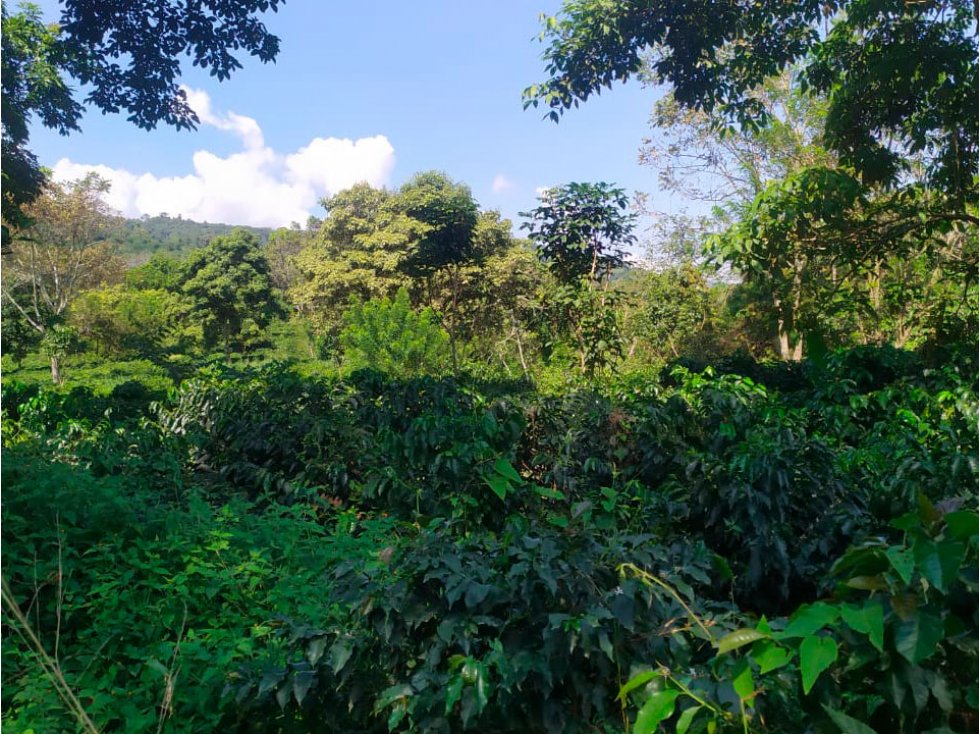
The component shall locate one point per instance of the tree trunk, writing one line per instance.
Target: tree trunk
(784, 351)
(56, 370)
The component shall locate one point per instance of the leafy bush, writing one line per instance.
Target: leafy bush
(292, 553)
(527, 631)
(391, 337)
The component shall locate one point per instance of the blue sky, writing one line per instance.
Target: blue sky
(387, 88)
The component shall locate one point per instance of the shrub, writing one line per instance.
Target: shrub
(390, 337)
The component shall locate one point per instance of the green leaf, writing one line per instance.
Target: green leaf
(868, 620)
(738, 638)
(476, 593)
(453, 693)
(302, 681)
(282, 696)
(902, 561)
(605, 644)
(498, 484)
(743, 682)
(550, 493)
(482, 688)
(962, 524)
(867, 583)
(722, 567)
(926, 510)
(950, 556)
(316, 649)
(808, 619)
(686, 719)
(816, 654)
(930, 565)
(638, 681)
(658, 708)
(770, 656)
(847, 724)
(918, 637)
(505, 469)
(340, 653)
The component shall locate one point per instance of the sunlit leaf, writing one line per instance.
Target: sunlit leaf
(770, 656)
(816, 654)
(637, 681)
(738, 638)
(658, 708)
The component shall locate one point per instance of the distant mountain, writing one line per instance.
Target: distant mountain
(140, 239)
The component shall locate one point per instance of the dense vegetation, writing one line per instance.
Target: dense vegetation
(263, 551)
(401, 470)
(139, 239)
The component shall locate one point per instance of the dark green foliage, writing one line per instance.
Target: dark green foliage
(449, 213)
(32, 86)
(162, 237)
(582, 230)
(449, 632)
(227, 284)
(437, 555)
(892, 71)
(127, 54)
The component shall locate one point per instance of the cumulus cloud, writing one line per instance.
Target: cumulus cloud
(501, 183)
(256, 186)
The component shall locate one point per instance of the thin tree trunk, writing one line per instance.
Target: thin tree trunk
(56, 370)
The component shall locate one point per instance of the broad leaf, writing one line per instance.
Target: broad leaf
(743, 682)
(950, 556)
(918, 637)
(847, 724)
(867, 619)
(770, 656)
(962, 524)
(453, 693)
(316, 649)
(809, 619)
(930, 565)
(738, 638)
(302, 681)
(816, 654)
(340, 653)
(657, 709)
(498, 484)
(505, 469)
(638, 681)
(686, 719)
(902, 561)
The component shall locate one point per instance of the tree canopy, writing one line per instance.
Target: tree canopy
(227, 284)
(899, 77)
(128, 54)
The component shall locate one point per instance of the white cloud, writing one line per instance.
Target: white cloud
(257, 186)
(501, 183)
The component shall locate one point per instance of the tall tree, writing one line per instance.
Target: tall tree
(62, 253)
(359, 251)
(32, 84)
(449, 216)
(898, 76)
(128, 56)
(582, 231)
(227, 284)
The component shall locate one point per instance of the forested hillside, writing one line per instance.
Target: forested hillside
(139, 239)
(416, 467)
